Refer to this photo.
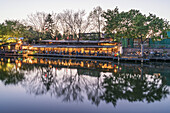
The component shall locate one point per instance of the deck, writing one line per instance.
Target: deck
(105, 57)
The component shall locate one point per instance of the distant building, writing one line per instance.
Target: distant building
(89, 36)
(135, 43)
(168, 33)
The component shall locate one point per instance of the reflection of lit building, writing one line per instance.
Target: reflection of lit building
(65, 63)
(74, 84)
(71, 63)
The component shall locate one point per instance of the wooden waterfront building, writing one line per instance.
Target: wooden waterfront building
(72, 47)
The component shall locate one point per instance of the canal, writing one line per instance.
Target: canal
(46, 85)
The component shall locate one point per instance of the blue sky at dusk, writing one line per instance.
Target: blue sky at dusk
(19, 9)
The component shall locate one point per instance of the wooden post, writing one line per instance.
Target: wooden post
(118, 56)
(141, 71)
(142, 60)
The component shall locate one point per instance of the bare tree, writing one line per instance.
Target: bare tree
(56, 26)
(68, 21)
(73, 22)
(96, 19)
(64, 28)
(37, 21)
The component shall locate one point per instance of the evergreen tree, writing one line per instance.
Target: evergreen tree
(134, 24)
(48, 27)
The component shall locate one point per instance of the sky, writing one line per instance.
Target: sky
(19, 9)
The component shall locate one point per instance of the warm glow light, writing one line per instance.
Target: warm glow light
(108, 44)
(9, 66)
(30, 61)
(115, 70)
(50, 66)
(30, 47)
(25, 55)
(19, 64)
(115, 47)
(8, 60)
(16, 61)
(88, 65)
(104, 49)
(49, 62)
(24, 47)
(25, 60)
(19, 42)
(41, 61)
(9, 47)
(157, 74)
(82, 64)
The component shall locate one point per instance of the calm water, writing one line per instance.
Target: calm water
(39, 85)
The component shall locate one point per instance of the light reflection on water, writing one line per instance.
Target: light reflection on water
(65, 85)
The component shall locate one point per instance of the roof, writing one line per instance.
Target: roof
(71, 46)
(6, 44)
(75, 41)
(13, 44)
(25, 45)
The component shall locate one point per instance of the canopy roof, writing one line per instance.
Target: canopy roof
(71, 46)
(75, 41)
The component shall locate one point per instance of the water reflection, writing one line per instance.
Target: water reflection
(77, 80)
(9, 74)
(133, 88)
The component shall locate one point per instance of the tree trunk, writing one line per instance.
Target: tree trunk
(141, 72)
(99, 28)
(142, 49)
(78, 36)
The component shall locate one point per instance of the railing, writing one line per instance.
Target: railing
(159, 46)
(147, 54)
(73, 53)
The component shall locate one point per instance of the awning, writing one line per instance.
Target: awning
(71, 46)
